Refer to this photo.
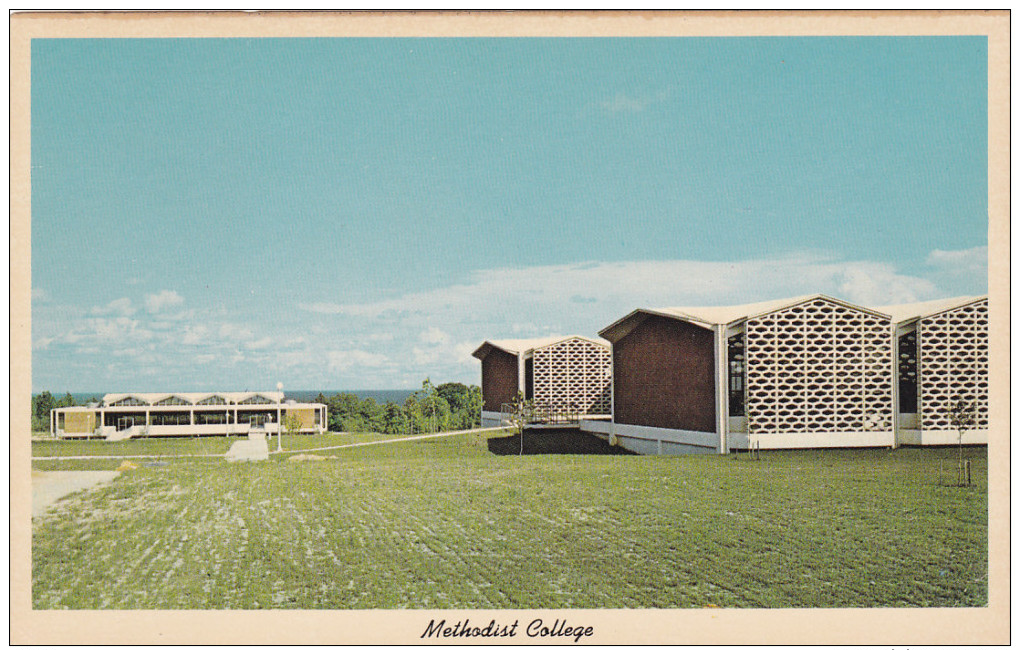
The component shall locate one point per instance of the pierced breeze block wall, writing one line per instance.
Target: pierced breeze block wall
(953, 363)
(819, 367)
(574, 374)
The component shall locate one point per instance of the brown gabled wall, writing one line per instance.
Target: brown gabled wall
(664, 376)
(499, 379)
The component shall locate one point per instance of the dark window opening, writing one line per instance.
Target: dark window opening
(255, 417)
(175, 418)
(907, 365)
(529, 379)
(735, 359)
(213, 417)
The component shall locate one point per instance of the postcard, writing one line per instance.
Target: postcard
(510, 328)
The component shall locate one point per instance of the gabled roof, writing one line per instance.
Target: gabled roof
(709, 317)
(914, 310)
(523, 346)
(152, 398)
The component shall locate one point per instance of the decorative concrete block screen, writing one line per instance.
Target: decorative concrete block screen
(573, 374)
(953, 364)
(819, 367)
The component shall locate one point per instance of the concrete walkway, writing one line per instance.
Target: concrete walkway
(48, 487)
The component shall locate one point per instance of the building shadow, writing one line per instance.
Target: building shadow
(554, 441)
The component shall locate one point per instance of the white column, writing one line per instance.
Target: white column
(895, 386)
(520, 373)
(722, 406)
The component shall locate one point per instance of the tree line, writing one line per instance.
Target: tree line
(446, 407)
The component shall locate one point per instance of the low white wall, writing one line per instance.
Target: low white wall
(934, 438)
(811, 440)
(596, 426)
(652, 441)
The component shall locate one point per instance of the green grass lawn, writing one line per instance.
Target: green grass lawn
(446, 524)
(49, 454)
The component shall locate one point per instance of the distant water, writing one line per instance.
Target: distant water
(380, 396)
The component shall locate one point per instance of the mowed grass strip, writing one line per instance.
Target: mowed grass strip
(188, 446)
(445, 524)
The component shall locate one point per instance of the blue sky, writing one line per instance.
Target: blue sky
(361, 213)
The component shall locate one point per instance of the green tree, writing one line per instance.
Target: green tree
(371, 414)
(962, 416)
(393, 419)
(42, 404)
(435, 411)
(519, 416)
(456, 395)
(66, 400)
(412, 414)
(472, 417)
(292, 424)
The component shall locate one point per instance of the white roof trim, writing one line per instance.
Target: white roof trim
(193, 398)
(523, 346)
(918, 310)
(709, 317)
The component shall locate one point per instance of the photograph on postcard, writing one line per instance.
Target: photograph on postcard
(510, 323)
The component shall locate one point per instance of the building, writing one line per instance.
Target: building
(126, 415)
(942, 356)
(561, 375)
(806, 372)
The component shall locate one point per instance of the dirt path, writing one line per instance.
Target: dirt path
(47, 487)
(426, 436)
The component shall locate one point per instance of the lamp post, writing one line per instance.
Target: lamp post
(279, 413)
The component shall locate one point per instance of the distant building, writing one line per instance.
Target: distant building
(805, 372)
(568, 373)
(126, 415)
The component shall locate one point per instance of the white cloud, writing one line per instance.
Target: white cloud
(434, 336)
(960, 271)
(115, 331)
(120, 307)
(320, 307)
(155, 302)
(424, 357)
(342, 360)
(967, 259)
(40, 295)
(260, 344)
(195, 335)
(878, 284)
(534, 299)
(232, 331)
